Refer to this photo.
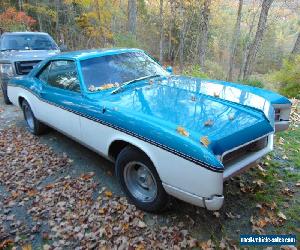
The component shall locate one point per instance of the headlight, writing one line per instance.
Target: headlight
(6, 70)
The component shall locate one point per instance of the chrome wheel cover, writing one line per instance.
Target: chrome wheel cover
(140, 181)
(29, 117)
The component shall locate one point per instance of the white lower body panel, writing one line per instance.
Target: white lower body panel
(181, 178)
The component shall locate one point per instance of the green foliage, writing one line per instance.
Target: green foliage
(195, 71)
(125, 40)
(289, 77)
(214, 70)
(253, 83)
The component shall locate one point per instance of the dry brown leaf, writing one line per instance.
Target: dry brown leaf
(205, 141)
(6, 243)
(208, 123)
(182, 131)
(108, 193)
(27, 247)
(217, 214)
(49, 186)
(281, 215)
(207, 245)
(216, 94)
(288, 192)
(258, 182)
(193, 98)
(281, 141)
(231, 117)
(101, 211)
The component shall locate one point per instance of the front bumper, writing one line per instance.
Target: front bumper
(248, 160)
(212, 203)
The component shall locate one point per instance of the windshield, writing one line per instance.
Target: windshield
(112, 70)
(28, 42)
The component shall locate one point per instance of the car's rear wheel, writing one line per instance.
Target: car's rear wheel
(140, 181)
(33, 124)
(5, 96)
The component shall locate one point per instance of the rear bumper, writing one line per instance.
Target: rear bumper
(282, 115)
(282, 125)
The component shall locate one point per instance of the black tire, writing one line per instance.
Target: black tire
(4, 92)
(33, 124)
(131, 155)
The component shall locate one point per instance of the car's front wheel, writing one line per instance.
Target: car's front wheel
(33, 124)
(140, 181)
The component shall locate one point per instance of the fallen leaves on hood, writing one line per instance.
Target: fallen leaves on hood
(208, 123)
(231, 117)
(92, 87)
(182, 131)
(216, 94)
(205, 141)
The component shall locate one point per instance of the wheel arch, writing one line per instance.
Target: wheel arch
(24, 96)
(20, 100)
(118, 144)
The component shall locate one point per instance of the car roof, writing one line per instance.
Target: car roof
(92, 53)
(24, 33)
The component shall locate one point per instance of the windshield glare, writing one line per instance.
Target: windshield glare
(28, 42)
(114, 70)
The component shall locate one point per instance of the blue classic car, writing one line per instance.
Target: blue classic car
(168, 135)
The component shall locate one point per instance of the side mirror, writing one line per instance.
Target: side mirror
(63, 48)
(169, 69)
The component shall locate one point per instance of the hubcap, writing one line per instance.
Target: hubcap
(140, 181)
(28, 117)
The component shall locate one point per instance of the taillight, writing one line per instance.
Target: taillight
(277, 114)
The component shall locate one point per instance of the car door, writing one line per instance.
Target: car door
(61, 97)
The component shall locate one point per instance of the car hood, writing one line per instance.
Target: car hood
(26, 55)
(227, 119)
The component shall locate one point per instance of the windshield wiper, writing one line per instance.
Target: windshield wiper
(7, 50)
(117, 90)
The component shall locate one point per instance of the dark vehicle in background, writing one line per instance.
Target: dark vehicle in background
(20, 52)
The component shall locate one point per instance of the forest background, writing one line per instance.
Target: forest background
(256, 42)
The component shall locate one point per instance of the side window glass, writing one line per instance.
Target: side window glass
(43, 75)
(62, 74)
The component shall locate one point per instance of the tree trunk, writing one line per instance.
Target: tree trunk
(161, 41)
(235, 38)
(132, 16)
(261, 27)
(57, 25)
(181, 37)
(296, 49)
(171, 27)
(246, 48)
(205, 14)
